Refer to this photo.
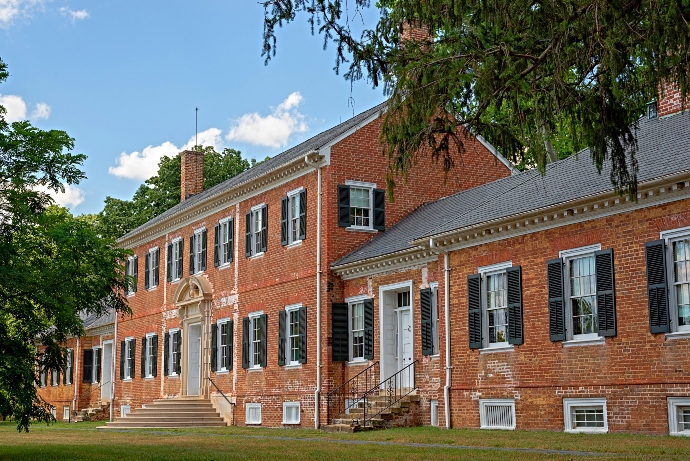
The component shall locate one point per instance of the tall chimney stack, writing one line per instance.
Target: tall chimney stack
(192, 169)
(669, 101)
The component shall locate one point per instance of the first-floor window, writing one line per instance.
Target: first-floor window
(172, 346)
(221, 347)
(428, 300)
(96, 365)
(254, 340)
(352, 324)
(668, 282)
(127, 348)
(292, 347)
(357, 331)
(43, 374)
(585, 415)
(149, 355)
(69, 367)
(91, 371)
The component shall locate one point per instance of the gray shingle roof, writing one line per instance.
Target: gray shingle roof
(311, 144)
(92, 320)
(663, 149)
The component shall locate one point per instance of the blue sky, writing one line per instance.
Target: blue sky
(123, 78)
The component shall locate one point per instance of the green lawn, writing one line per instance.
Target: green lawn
(84, 441)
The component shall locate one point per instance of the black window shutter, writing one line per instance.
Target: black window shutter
(135, 261)
(231, 240)
(154, 359)
(339, 332)
(178, 339)
(147, 269)
(214, 347)
(122, 360)
(192, 269)
(229, 342)
(344, 206)
(180, 246)
(302, 215)
(264, 227)
(132, 363)
(514, 278)
(425, 310)
(302, 334)
(554, 272)
(284, 202)
(282, 319)
(369, 329)
(248, 235)
(156, 266)
(166, 354)
(216, 246)
(169, 263)
(87, 369)
(143, 356)
(657, 298)
(474, 310)
(245, 342)
(606, 298)
(379, 209)
(263, 344)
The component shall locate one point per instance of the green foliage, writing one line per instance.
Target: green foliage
(53, 266)
(574, 73)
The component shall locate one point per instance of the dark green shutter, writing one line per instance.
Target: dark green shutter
(180, 247)
(231, 240)
(339, 332)
(514, 279)
(427, 330)
(245, 342)
(87, 369)
(554, 270)
(216, 246)
(214, 347)
(606, 298)
(264, 228)
(229, 341)
(248, 235)
(135, 261)
(369, 329)
(156, 267)
(282, 320)
(154, 359)
(284, 203)
(204, 241)
(344, 206)
(143, 356)
(166, 354)
(302, 334)
(133, 353)
(192, 242)
(263, 350)
(379, 209)
(302, 215)
(147, 269)
(474, 310)
(169, 263)
(122, 360)
(178, 339)
(657, 290)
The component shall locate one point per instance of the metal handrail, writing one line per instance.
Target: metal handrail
(350, 393)
(394, 392)
(226, 399)
(92, 391)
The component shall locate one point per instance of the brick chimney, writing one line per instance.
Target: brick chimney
(192, 173)
(669, 101)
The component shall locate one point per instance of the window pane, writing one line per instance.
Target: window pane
(583, 289)
(496, 304)
(684, 419)
(588, 417)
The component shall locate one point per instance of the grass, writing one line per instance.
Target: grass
(83, 441)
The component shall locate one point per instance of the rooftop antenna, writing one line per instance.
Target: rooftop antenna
(351, 102)
(196, 135)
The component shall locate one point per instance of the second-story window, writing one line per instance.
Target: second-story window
(224, 233)
(131, 270)
(293, 217)
(197, 252)
(361, 206)
(151, 268)
(256, 230)
(174, 260)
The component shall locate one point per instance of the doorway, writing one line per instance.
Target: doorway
(194, 359)
(107, 373)
(396, 333)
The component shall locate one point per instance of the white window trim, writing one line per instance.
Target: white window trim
(364, 185)
(152, 279)
(173, 265)
(130, 272)
(669, 237)
(252, 317)
(219, 368)
(148, 362)
(435, 319)
(171, 360)
(293, 405)
(253, 210)
(288, 351)
(483, 403)
(69, 366)
(290, 218)
(125, 410)
(246, 413)
(570, 404)
(588, 339)
(94, 368)
(53, 411)
(673, 404)
(221, 256)
(433, 410)
(350, 301)
(128, 345)
(197, 250)
(484, 272)
(66, 413)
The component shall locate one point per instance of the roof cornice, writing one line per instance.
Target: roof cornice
(400, 260)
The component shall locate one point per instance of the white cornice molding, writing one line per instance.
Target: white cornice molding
(388, 263)
(106, 329)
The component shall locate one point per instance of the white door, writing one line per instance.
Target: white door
(107, 372)
(405, 347)
(194, 359)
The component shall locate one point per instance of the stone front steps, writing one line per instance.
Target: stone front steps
(171, 413)
(98, 412)
(402, 414)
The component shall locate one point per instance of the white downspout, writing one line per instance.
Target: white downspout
(315, 161)
(75, 367)
(112, 368)
(446, 306)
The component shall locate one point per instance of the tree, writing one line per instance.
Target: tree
(45, 284)
(161, 192)
(525, 74)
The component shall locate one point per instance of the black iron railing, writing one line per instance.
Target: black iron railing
(388, 392)
(232, 405)
(351, 393)
(91, 391)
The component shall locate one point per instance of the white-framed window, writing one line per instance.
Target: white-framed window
(434, 319)
(173, 352)
(433, 404)
(131, 270)
(679, 415)
(585, 415)
(292, 352)
(256, 231)
(356, 316)
(151, 353)
(124, 410)
(53, 411)
(65, 413)
(69, 366)
(223, 340)
(54, 377)
(43, 375)
(128, 358)
(96, 367)
(174, 261)
(197, 251)
(254, 340)
(152, 268)
(361, 204)
(253, 413)
(497, 414)
(580, 292)
(293, 217)
(224, 245)
(678, 277)
(495, 304)
(291, 412)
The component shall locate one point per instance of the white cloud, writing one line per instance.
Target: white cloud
(15, 107)
(70, 198)
(42, 111)
(13, 9)
(74, 15)
(273, 130)
(210, 137)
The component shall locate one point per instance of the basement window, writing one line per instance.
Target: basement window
(434, 413)
(679, 416)
(253, 413)
(124, 410)
(291, 412)
(497, 414)
(585, 415)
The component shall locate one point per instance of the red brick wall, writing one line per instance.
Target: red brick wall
(192, 173)
(670, 101)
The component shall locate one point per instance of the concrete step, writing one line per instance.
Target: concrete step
(172, 413)
(183, 419)
(168, 424)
